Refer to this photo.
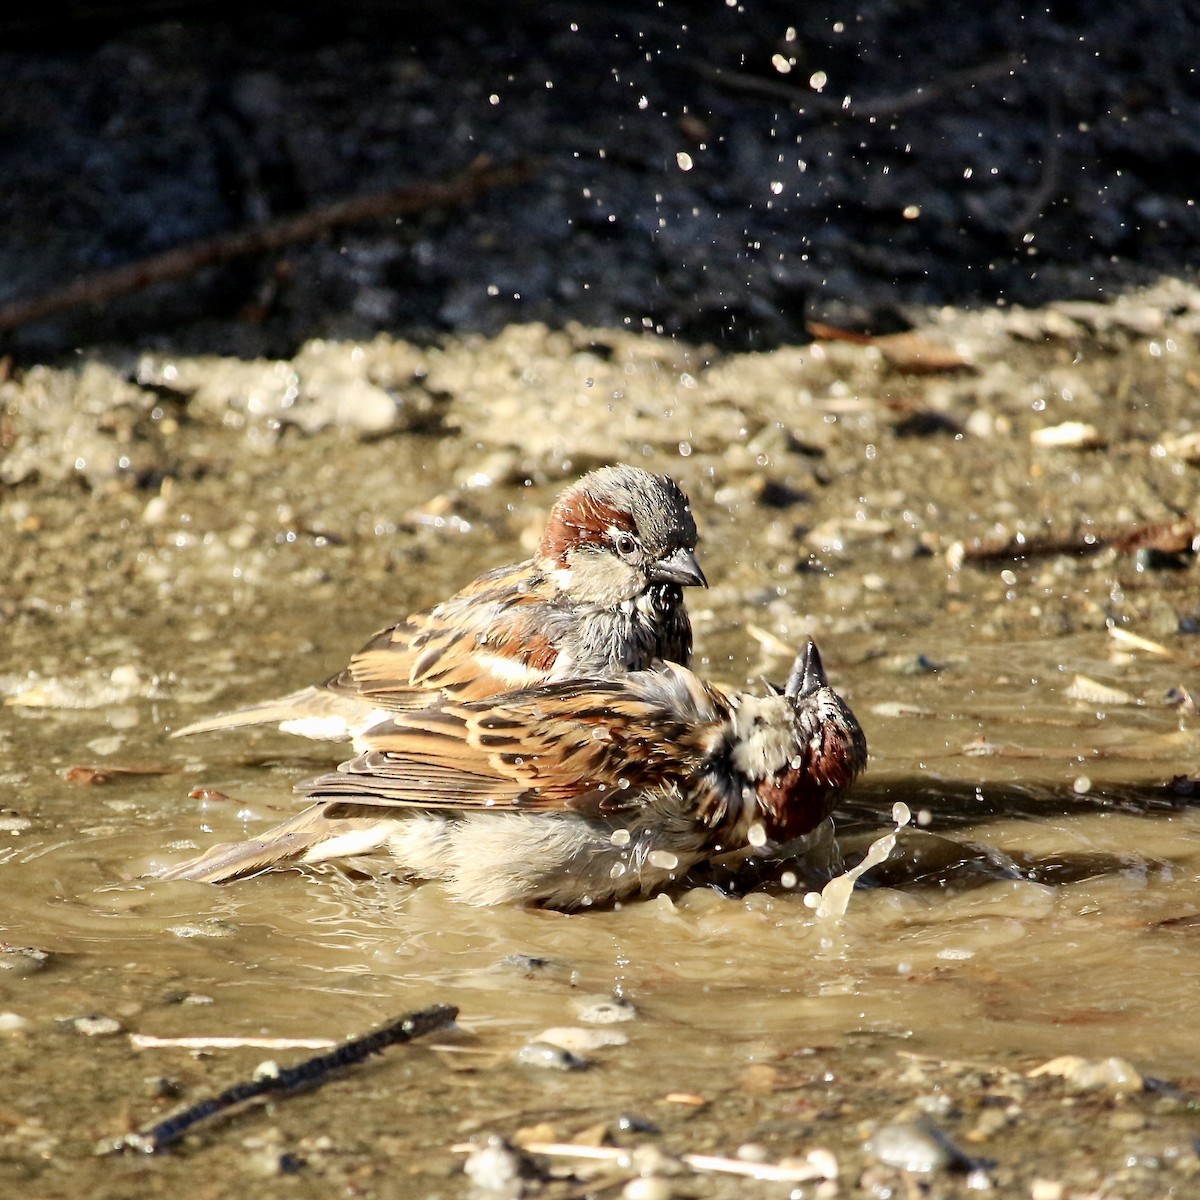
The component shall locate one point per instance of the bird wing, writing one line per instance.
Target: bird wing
(499, 634)
(588, 746)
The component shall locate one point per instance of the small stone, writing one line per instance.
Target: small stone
(160, 1087)
(604, 1010)
(754, 1152)
(127, 677)
(915, 1146)
(11, 1022)
(1090, 1075)
(96, 1026)
(549, 1057)
(577, 1039)
(1046, 1189)
(632, 1123)
(1073, 435)
(496, 1167)
(647, 1187)
(270, 1162)
(22, 960)
(649, 1160)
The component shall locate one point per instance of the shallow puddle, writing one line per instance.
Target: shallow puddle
(1044, 901)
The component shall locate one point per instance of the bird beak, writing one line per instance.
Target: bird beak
(680, 566)
(808, 676)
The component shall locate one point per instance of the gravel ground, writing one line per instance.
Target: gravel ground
(719, 172)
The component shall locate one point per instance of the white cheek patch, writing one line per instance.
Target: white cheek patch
(765, 736)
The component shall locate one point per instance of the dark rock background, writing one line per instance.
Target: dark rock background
(1015, 153)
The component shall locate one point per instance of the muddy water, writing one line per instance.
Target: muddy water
(1044, 902)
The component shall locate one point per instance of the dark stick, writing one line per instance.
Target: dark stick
(310, 1073)
(806, 102)
(1177, 536)
(480, 176)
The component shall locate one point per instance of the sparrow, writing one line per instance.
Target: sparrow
(602, 595)
(573, 794)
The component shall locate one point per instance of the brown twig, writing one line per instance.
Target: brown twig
(311, 1073)
(481, 176)
(1050, 180)
(1169, 537)
(873, 106)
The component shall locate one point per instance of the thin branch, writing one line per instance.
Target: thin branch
(872, 106)
(146, 1041)
(481, 176)
(310, 1073)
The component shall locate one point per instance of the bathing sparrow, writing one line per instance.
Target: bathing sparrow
(577, 793)
(600, 596)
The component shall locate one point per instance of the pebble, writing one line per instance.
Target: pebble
(754, 1152)
(11, 1022)
(604, 1010)
(96, 1026)
(1046, 1189)
(270, 1163)
(496, 1167)
(161, 1087)
(650, 1161)
(647, 1187)
(22, 960)
(578, 1039)
(549, 1057)
(1091, 1075)
(1073, 435)
(915, 1146)
(632, 1123)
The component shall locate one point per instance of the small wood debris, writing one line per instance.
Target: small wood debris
(1092, 691)
(1070, 435)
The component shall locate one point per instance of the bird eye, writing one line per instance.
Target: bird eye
(626, 545)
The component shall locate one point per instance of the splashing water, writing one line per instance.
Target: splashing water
(833, 899)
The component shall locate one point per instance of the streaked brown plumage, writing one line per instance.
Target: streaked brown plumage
(601, 595)
(576, 793)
